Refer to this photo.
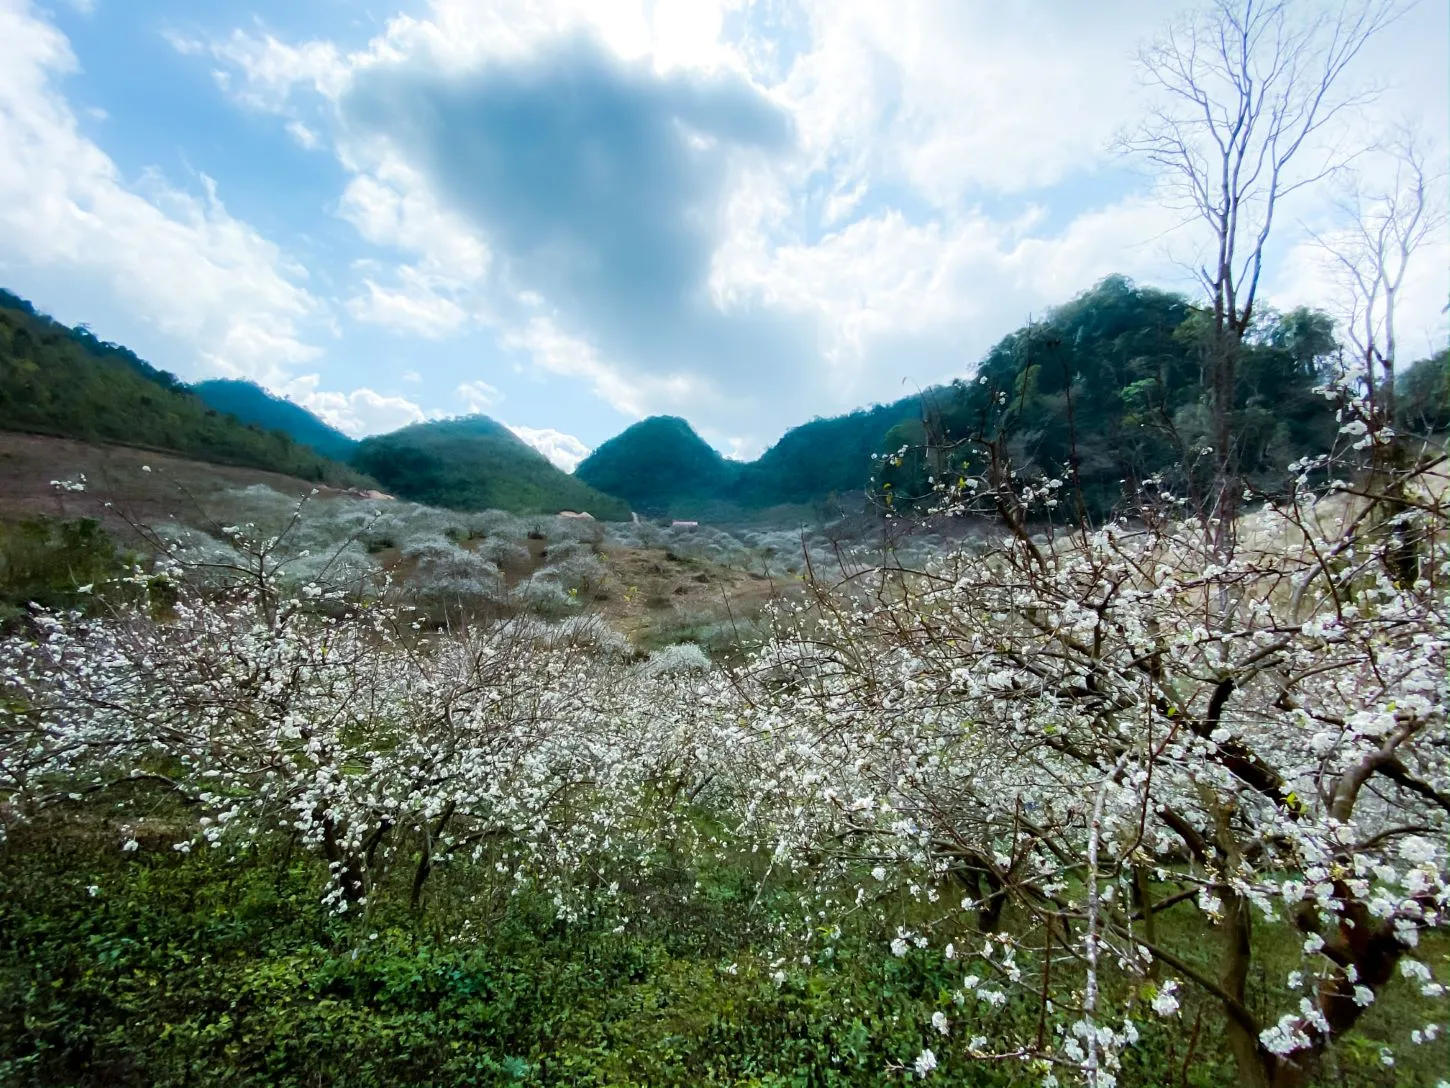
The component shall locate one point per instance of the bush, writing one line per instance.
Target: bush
(55, 564)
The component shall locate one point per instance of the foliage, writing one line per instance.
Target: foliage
(1423, 401)
(161, 969)
(1108, 391)
(56, 564)
(250, 403)
(475, 463)
(824, 458)
(1142, 804)
(63, 381)
(1108, 388)
(1096, 727)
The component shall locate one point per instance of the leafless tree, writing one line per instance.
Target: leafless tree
(1383, 228)
(1247, 94)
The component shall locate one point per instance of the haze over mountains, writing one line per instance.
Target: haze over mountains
(1107, 387)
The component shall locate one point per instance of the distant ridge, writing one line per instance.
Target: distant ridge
(64, 381)
(250, 403)
(476, 463)
(661, 466)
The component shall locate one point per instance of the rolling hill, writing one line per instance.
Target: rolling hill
(476, 463)
(659, 466)
(63, 381)
(250, 403)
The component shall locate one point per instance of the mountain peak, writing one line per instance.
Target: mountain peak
(656, 464)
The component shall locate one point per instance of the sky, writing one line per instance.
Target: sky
(572, 214)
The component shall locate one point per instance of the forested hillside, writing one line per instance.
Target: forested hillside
(659, 466)
(475, 463)
(1107, 388)
(250, 403)
(63, 381)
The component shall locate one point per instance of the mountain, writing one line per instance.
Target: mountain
(475, 463)
(58, 380)
(1106, 388)
(250, 403)
(827, 456)
(659, 466)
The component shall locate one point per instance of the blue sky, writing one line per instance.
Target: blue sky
(570, 214)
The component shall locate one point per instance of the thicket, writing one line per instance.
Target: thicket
(1012, 814)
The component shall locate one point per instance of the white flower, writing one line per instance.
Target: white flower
(93, 889)
(940, 1022)
(1363, 996)
(925, 1062)
(1285, 1037)
(1417, 850)
(899, 946)
(879, 873)
(1164, 1003)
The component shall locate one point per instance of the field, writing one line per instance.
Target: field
(311, 789)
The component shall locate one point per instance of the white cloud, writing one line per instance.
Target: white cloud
(951, 178)
(552, 348)
(564, 450)
(303, 135)
(412, 307)
(391, 206)
(950, 96)
(478, 395)
(176, 259)
(357, 413)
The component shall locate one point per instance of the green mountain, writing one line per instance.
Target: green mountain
(1423, 394)
(659, 465)
(1107, 388)
(250, 403)
(59, 380)
(475, 463)
(825, 457)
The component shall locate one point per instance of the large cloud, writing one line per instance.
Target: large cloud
(600, 184)
(752, 213)
(176, 259)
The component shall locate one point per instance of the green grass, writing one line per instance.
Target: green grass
(158, 968)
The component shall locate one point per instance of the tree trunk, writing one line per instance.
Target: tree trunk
(1249, 1056)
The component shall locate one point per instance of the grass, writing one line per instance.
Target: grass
(160, 968)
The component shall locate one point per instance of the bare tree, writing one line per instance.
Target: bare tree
(1247, 93)
(1383, 229)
